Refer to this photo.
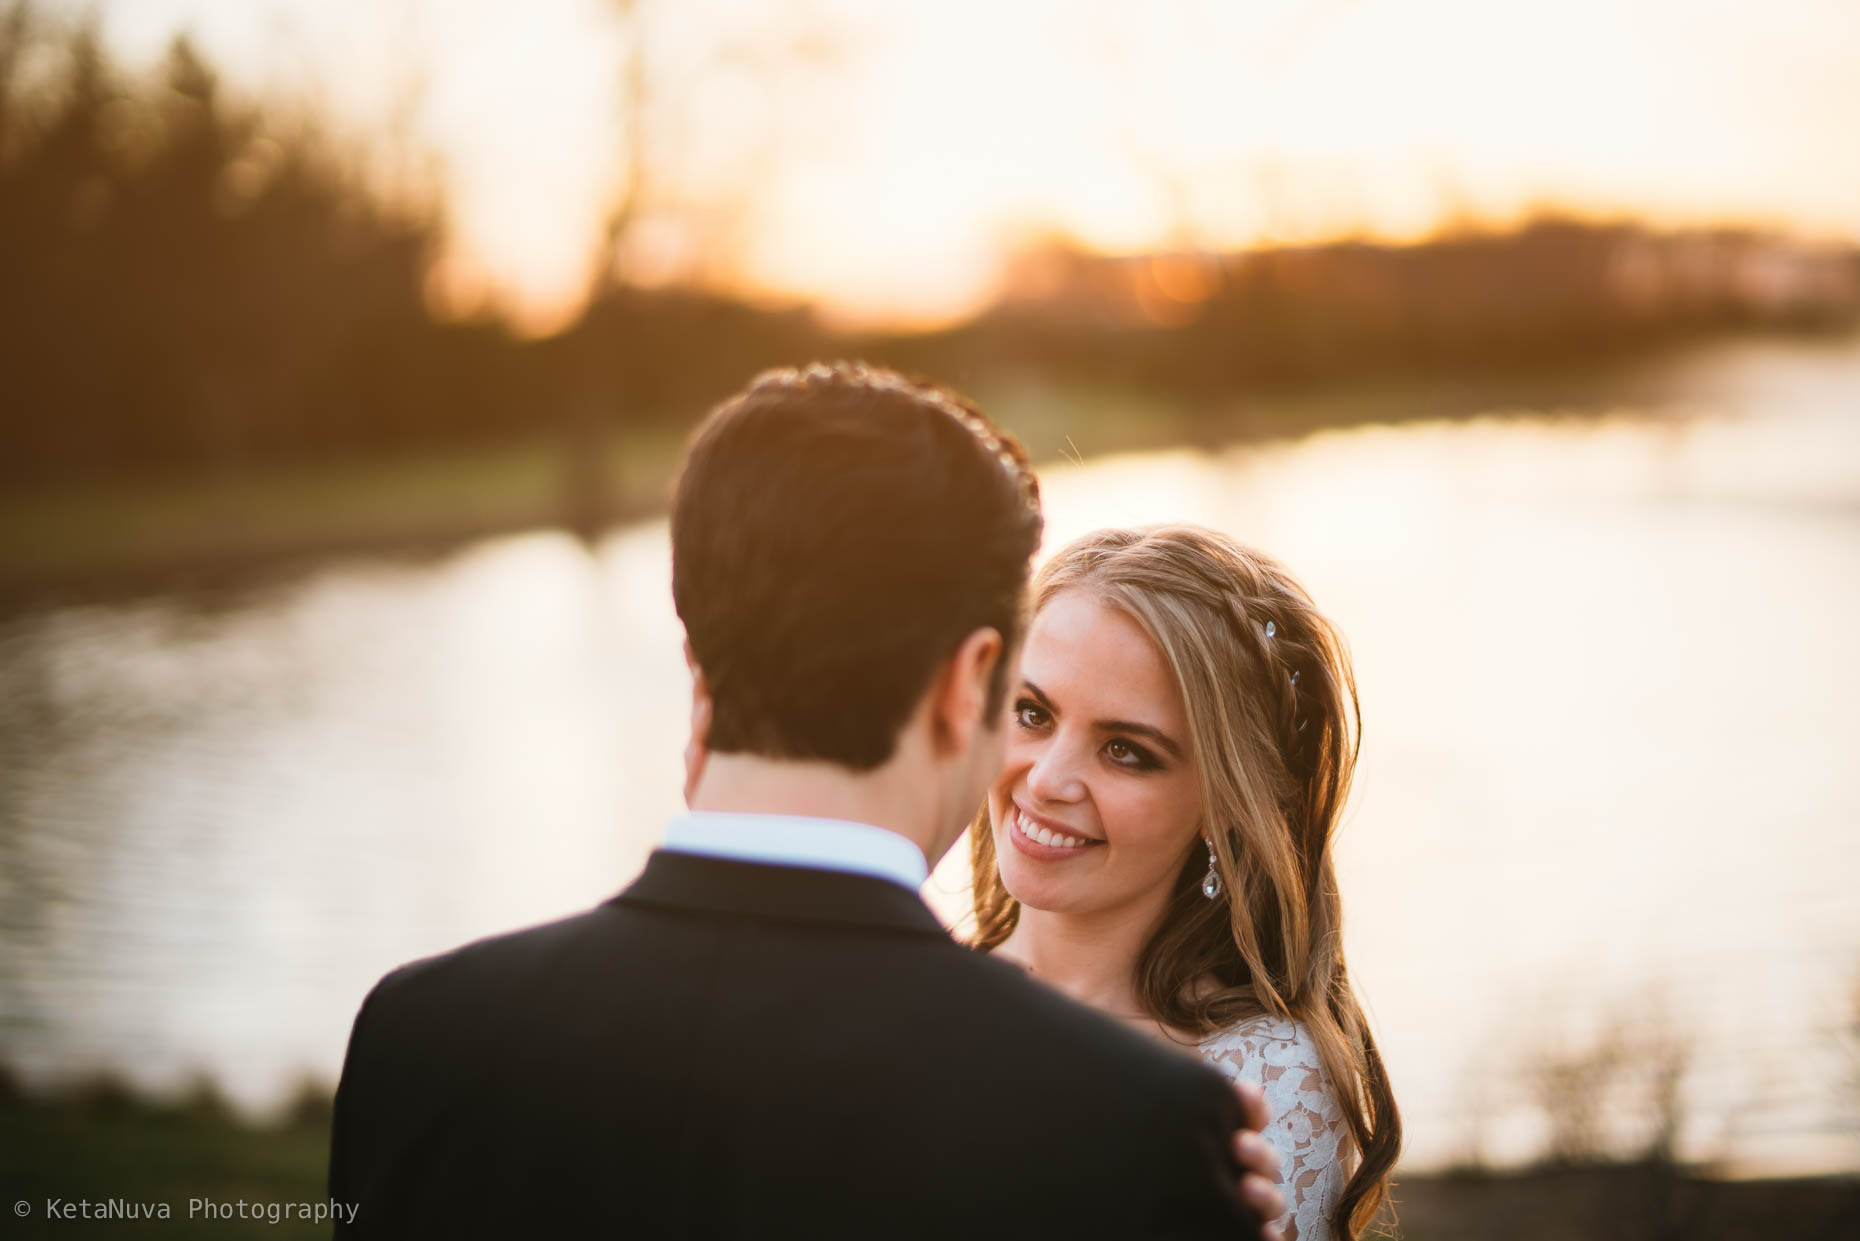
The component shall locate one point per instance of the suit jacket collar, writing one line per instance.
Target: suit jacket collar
(709, 885)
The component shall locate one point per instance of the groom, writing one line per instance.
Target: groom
(768, 1034)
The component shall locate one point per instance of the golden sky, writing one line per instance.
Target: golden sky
(879, 157)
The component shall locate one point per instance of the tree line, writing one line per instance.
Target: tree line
(188, 282)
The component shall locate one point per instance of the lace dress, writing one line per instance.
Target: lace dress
(1307, 1128)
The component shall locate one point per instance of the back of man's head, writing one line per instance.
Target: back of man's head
(838, 532)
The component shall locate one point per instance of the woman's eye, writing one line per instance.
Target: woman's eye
(1029, 714)
(1127, 755)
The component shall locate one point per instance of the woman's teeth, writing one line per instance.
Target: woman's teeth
(1046, 836)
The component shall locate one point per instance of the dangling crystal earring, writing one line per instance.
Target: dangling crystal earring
(1211, 885)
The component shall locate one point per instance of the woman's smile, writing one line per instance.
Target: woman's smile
(1043, 839)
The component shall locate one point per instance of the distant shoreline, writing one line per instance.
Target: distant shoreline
(210, 535)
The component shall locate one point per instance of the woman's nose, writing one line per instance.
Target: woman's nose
(1054, 775)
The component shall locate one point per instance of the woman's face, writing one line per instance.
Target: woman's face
(1098, 802)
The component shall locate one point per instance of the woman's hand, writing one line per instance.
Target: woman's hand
(1259, 1162)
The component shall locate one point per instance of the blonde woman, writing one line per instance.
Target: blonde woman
(1158, 845)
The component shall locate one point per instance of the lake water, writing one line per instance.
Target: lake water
(1605, 825)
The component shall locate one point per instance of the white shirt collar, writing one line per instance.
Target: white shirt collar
(796, 840)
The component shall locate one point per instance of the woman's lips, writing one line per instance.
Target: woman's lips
(1046, 844)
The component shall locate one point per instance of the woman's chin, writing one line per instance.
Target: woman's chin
(1047, 893)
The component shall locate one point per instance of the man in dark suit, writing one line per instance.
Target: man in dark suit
(768, 1034)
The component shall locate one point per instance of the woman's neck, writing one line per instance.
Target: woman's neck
(1092, 958)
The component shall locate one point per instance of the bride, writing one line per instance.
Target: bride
(1158, 845)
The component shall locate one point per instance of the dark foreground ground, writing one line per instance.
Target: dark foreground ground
(1626, 1204)
(204, 1165)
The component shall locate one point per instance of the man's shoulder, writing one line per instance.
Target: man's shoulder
(504, 958)
(1009, 1009)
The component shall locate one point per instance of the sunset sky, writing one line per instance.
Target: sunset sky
(879, 158)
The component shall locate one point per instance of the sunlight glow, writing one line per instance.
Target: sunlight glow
(880, 161)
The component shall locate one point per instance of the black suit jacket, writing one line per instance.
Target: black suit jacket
(734, 1050)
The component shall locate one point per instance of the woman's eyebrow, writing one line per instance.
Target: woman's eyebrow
(1155, 734)
(1039, 693)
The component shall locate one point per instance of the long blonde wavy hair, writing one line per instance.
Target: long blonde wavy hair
(1275, 728)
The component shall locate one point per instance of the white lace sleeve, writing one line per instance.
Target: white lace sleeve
(1307, 1128)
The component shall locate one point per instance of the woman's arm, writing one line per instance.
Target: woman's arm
(1305, 1125)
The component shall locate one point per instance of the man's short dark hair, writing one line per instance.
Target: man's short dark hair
(838, 532)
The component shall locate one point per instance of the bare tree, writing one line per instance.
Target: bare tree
(1850, 1038)
(782, 52)
(1618, 1093)
(625, 207)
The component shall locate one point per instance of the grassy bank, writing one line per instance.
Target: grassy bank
(92, 1150)
(124, 536)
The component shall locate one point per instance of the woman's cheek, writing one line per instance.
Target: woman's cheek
(1145, 823)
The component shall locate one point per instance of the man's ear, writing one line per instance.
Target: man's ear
(961, 691)
(697, 747)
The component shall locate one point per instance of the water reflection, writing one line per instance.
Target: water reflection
(1607, 673)
(220, 828)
